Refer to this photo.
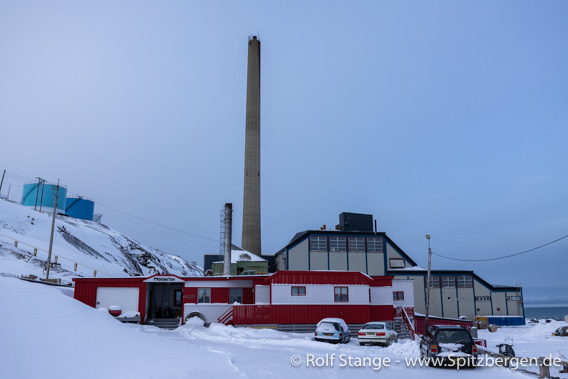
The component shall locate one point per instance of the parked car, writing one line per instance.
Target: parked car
(449, 345)
(377, 332)
(332, 330)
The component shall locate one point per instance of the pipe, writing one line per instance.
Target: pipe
(228, 238)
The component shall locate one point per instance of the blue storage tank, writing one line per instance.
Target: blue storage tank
(81, 208)
(41, 196)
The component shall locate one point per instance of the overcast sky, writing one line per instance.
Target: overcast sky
(447, 118)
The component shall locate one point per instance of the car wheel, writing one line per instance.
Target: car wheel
(348, 339)
(361, 343)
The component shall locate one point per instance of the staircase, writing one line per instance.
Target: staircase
(165, 323)
(401, 329)
(227, 317)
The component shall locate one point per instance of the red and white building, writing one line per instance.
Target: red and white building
(282, 298)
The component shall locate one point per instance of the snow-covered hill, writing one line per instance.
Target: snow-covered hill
(81, 247)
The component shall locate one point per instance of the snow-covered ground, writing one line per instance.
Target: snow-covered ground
(46, 333)
(90, 245)
(532, 340)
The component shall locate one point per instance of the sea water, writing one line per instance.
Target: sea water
(546, 312)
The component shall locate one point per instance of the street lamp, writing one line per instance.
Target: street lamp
(428, 285)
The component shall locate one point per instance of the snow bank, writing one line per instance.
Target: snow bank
(47, 334)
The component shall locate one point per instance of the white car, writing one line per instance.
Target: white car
(377, 332)
(332, 330)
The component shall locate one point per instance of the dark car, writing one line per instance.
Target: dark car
(448, 345)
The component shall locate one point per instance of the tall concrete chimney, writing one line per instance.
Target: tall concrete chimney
(251, 200)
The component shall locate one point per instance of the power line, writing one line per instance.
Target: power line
(160, 225)
(503, 257)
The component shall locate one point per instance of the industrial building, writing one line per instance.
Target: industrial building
(279, 300)
(356, 246)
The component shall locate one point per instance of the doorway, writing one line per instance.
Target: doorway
(164, 301)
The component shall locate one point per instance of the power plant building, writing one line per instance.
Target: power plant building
(453, 293)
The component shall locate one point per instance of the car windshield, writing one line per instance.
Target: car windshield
(329, 325)
(374, 326)
(454, 336)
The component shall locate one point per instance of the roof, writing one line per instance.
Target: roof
(327, 277)
(420, 271)
(241, 255)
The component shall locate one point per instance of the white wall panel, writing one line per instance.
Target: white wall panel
(381, 295)
(407, 286)
(262, 294)
(211, 312)
(126, 297)
(219, 283)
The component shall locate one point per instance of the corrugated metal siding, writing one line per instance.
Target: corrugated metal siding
(211, 312)
(381, 296)
(298, 314)
(220, 295)
(382, 313)
(86, 289)
(359, 295)
(248, 297)
(251, 314)
(262, 294)
(319, 294)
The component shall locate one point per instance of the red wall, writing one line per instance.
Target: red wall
(190, 295)
(382, 313)
(86, 290)
(219, 295)
(309, 314)
(419, 322)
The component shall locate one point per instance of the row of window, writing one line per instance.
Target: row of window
(235, 295)
(340, 294)
(344, 244)
(464, 281)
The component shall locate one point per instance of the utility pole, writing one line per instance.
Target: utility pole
(52, 230)
(41, 199)
(2, 181)
(428, 285)
(37, 193)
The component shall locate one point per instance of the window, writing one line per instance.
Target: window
(318, 243)
(513, 298)
(298, 291)
(483, 298)
(398, 295)
(177, 298)
(434, 282)
(448, 282)
(357, 244)
(337, 244)
(465, 282)
(396, 263)
(204, 295)
(341, 294)
(235, 295)
(374, 244)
